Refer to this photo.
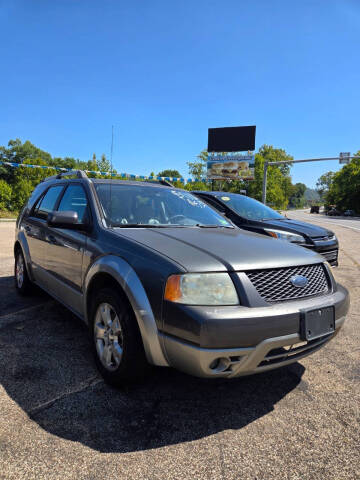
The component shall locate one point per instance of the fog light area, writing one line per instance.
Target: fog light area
(220, 364)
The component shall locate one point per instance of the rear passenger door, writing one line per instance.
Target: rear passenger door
(35, 229)
(65, 248)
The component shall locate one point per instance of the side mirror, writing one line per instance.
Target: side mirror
(68, 219)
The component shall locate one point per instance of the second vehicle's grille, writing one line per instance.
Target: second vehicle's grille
(323, 239)
(275, 285)
(330, 255)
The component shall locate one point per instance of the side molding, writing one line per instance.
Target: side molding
(127, 278)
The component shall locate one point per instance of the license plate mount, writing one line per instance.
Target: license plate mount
(317, 323)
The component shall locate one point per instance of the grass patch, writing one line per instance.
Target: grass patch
(8, 214)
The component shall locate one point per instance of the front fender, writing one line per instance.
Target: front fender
(127, 278)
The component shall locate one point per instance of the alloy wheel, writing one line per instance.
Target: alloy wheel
(20, 270)
(108, 336)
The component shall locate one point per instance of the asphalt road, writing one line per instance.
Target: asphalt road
(60, 421)
(353, 223)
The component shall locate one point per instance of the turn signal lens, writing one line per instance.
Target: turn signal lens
(172, 289)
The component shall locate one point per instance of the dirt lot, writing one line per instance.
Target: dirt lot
(60, 421)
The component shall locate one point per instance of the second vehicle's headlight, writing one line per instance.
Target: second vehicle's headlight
(282, 235)
(201, 289)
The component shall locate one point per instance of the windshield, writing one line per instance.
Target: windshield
(132, 205)
(249, 208)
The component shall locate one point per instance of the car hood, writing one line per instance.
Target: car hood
(299, 227)
(218, 249)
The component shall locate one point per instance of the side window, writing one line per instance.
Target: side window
(36, 196)
(48, 202)
(75, 199)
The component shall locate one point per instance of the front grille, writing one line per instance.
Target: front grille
(323, 239)
(274, 284)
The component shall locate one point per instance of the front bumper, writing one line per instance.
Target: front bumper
(274, 350)
(236, 362)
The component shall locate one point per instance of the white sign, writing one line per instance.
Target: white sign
(344, 157)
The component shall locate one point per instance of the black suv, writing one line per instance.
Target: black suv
(162, 278)
(254, 216)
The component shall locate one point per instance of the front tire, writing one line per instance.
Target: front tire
(116, 340)
(22, 282)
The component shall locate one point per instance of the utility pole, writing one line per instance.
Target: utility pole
(344, 157)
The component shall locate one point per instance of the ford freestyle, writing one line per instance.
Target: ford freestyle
(161, 278)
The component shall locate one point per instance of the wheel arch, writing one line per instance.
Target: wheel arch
(115, 271)
(21, 243)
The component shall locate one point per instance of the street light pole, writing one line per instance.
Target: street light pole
(264, 183)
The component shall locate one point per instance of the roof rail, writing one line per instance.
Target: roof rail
(78, 173)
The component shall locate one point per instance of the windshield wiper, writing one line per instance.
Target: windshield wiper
(144, 225)
(201, 225)
(166, 225)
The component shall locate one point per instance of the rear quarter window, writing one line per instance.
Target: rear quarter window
(36, 194)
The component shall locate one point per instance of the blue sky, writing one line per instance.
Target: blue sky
(162, 72)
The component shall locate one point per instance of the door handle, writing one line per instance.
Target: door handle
(27, 228)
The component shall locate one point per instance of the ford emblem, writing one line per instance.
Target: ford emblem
(299, 281)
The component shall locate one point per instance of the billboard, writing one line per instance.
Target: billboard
(231, 167)
(231, 139)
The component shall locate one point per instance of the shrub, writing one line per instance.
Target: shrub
(21, 192)
(5, 195)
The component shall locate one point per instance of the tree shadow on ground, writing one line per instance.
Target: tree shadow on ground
(47, 369)
(11, 301)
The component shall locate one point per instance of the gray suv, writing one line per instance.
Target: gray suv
(161, 278)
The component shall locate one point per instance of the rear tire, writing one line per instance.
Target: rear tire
(22, 282)
(116, 340)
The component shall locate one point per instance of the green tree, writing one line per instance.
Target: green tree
(17, 152)
(169, 173)
(233, 186)
(278, 179)
(197, 169)
(344, 191)
(22, 180)
(324, 183)
(5, 195)
(103, 164)
(196, 186)
(21, 192)
(297, 198)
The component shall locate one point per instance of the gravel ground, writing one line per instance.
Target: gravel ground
(60, 421)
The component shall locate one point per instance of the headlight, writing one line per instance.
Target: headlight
(201, 289)
(289, 236)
